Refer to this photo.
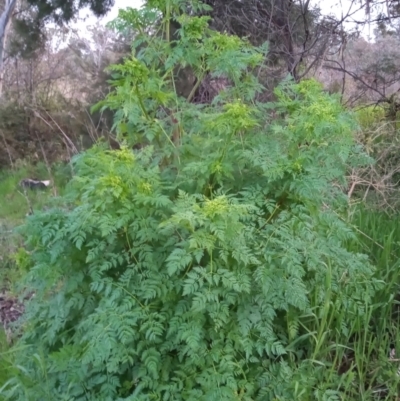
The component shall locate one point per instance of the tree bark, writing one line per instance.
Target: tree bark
(5, 19)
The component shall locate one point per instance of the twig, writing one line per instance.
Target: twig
(27, 200)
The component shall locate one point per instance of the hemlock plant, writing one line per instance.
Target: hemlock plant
(210, 264)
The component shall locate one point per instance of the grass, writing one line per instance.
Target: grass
(6, 360)
(14, 204)
(378, 330)
(14, 207)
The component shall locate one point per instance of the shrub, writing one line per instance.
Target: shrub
(210, 266)
(369, 116)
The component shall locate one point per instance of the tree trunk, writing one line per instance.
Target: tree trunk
(5, 19)
(281, 18)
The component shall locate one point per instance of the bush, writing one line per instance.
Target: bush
(209, 266)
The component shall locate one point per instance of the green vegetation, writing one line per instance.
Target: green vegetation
(219, 260)
(13, 208)
(370, 116)
(6, 360)
(211, 264)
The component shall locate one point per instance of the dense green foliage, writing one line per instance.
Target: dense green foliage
(211, 265)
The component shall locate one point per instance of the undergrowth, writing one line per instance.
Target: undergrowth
(379, 237)
(7, 371)
(14, 206)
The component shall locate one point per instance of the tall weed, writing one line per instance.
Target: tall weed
(209, 264)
